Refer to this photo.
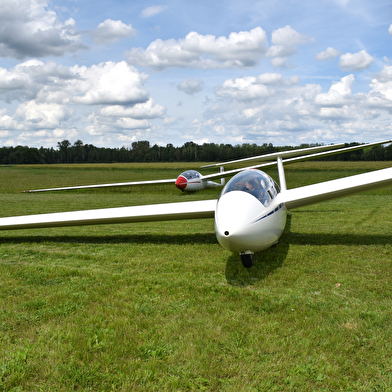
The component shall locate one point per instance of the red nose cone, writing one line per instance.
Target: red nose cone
(181, 183)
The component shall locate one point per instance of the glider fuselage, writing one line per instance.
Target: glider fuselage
(192, 181)
(249, 215)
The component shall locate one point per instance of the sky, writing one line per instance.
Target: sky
(272, 71)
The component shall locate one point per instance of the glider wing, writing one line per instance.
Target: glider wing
(296, 159)
(147, 213)
(68, 188)
(302, 196)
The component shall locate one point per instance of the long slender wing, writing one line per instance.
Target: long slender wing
(282, 154)
(302, 158)
(146, 213)
(67, 188)
(302, 196)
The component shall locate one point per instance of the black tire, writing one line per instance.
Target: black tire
(247, 260)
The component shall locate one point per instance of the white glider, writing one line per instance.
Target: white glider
(250, 214)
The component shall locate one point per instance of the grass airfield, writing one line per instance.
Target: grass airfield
(161, 306)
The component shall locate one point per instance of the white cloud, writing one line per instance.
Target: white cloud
(338, 93)
(380, 95)
(243, 49)
(327, 55)
(336, 113)
(30, 78)
(109, 84)
(390, 29)
(294, 113)
(8, 123)
(139, 111)
(252, 88)
(47, 90)
(170, 120)
(131, 123)
(191, 86)
(31, 29)
(355, 62)
(279, 62)
(286, 40)
(243, 89)
(153, 10)
(288, 36)
(111, 31)
(45, 115)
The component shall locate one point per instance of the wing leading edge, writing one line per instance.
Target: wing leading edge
(68, 188)
(310, 194)
(155, 212)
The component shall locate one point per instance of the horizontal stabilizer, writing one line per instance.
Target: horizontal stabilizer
(147, 213)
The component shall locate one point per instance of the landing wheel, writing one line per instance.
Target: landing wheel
(247, 259)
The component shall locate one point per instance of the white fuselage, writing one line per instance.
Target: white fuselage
(192, 181)
(250, 215)
(244, 225)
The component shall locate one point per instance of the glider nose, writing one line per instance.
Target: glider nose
(181, 182)
(234, 216)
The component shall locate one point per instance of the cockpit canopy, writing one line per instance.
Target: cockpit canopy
(190, 174)
(255, 182)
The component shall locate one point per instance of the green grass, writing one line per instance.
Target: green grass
(161, 306)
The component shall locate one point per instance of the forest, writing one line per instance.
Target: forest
(142, 151)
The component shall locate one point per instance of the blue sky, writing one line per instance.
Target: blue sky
(109, 74)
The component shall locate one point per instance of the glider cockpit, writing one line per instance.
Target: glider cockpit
(255, 182)
(187, 178)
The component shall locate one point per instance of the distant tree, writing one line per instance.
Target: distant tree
(63, 148)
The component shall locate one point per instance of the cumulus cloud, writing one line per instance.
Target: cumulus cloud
(132, 123)
(191, 86)
(44, 115)
(276, 79)
(31, 29)
(140, 110)
(30, 78)
(252, 88)
(289, 112)
(8, 123)
(151, 11)
(243, 49)
(243, 89)
(390, 29)
(338, 93)
(355, 62)
(54, 98)
(109, 84)
(285, 42)
(111, 31)
(327, 55)
(381, 89)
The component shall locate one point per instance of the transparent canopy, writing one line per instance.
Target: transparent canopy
(255, 182)
(189, 174)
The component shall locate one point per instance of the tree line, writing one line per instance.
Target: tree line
(142, 151)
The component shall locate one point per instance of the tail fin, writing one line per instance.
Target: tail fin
(223, 180)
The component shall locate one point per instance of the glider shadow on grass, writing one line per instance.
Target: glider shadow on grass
(177, 239)
(288, 238)
(268, 261)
